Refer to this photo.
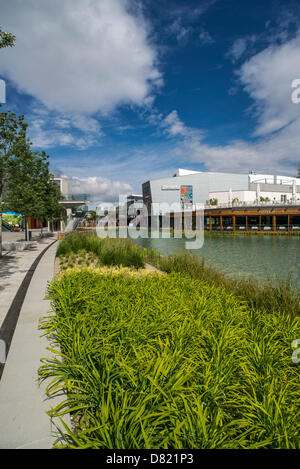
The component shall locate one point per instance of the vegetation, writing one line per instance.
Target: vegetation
(260, 297)
(108, 251)
(13, 220)
(212, 202)
(185, 359)
(166, 361)
(6, 39)
(26, 184)
(31, 189)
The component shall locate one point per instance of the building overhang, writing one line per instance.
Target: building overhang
(73, 203)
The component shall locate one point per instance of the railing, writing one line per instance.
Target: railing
(75, 198)
(255, 204)
(257, 227)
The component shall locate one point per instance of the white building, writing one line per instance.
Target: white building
(262, 188)
(68, 202)
(190, 189)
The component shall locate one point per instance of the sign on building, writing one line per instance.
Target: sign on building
(186, 197)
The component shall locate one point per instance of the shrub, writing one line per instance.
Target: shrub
(267, 296)
(166, 361)
(110, 251)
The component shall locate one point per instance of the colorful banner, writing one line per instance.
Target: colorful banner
(186, 196)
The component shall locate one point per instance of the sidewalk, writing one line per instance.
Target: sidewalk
(14, 265)
(23, 404)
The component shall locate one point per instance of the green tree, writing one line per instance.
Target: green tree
(93, 216)
(6, 142)
(31, 189)
(12, 139)
(6, 39)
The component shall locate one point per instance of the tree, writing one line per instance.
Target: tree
(235, 201)
(93, 217)
(264, 199)
(12, 139)
(6, 39)
(31, 189)
(212, 202)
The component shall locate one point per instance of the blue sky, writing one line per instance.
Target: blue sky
(121, 91)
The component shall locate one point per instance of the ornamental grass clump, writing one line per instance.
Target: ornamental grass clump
(166, 361)
(281, 296)
(109, 251)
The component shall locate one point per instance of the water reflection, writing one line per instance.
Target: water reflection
(260, 256)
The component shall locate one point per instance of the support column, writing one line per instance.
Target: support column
(233, 222)
(274, 223)
(259, 222)
(221, 223)
(288, 222)
(246, 222)
(210, 224)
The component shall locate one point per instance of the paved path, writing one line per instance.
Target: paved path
(23, 405)
(13, 267)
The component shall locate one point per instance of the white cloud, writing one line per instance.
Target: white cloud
(275, 147)
(180, 31)
(79, 55)
(237, 49)
(173, 125)
(206, 38)
(267, 77)
(50, 129)
(98, 187)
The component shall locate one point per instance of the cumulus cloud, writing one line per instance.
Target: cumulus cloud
(173, 126)
(51, 129)
(268, 77)
(275, 147)
(98, 188)
(79, 55)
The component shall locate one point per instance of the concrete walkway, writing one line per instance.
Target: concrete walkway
(23, 404)
(14, 265)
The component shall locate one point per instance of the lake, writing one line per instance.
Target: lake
(261, 256)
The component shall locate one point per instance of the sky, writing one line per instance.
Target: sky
(118, 92)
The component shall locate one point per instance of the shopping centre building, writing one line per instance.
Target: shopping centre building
(231, 201)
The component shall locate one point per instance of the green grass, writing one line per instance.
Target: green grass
(268, 296)
(108, 251)
(166, 361)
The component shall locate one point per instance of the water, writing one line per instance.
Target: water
(263, 257)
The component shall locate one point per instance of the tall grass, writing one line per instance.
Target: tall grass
(110, 251)
(169, 362)
(281, 296)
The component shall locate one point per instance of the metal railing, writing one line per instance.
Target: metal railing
(256, 204)
(257, 227)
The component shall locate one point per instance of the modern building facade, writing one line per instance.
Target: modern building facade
(231, 201)
(68, 202)
(190, 189)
